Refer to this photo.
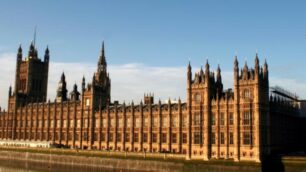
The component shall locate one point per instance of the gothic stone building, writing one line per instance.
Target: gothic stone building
(243, 123)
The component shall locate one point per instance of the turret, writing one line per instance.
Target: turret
(207, 75)
(19, 54)
(266, 70)
(75, 95)
(31, 52)
(10, 91)
(219, 85)
(47, 55)
(189, 75)
(83, 84)
(256, 65)
(62, 89)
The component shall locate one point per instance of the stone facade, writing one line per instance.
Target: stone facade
(243, 123)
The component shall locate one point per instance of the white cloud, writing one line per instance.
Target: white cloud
(129, 82)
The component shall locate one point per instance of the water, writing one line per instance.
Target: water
(25, 166)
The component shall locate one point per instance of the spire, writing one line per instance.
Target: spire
(47, 54)
(19, 54)
(265, 69)
(63, 77)
(236, 63)
(102, 60)
(34, 36)
(219, 74)
(207, 69)
(10, 91)
(83, 83)
(256, 64)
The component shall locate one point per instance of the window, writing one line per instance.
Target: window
(174, 122)
(213, 122)
(184, 140)
(231, 138)
(246, 94)
(231, 118)
(246, 138)
(184, 121)
(197, 119)
(97, 123)
(213, 138)
(127, 137)
(146, 122)
(197, 138)
(165, 122)
(154, 140)
(155, 121)
(103, 137)
(87, 102)
(145, 137)
(111, 137)
(72, 123)
(58, 123)
(136, 139)
(112, 122)
(128, 122)
(164, 138)
(118, 137)
(222, 119)
(246, 118)
(222, 138)
(197, 97)
(104, 123)
(174, 138)
(137, 122)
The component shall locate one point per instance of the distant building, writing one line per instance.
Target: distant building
(243, 123)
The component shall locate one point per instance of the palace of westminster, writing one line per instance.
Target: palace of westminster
(245, 123)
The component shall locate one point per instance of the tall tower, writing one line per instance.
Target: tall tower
(31, 77)
(101, 83)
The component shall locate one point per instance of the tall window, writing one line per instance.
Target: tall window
(128, 122)
(127, 137)
(231, 118)
(246, 118)
(213, 122)
(165, 122)
(155, 121)
(246, 94)
(154, 140)
(246, 138)
(197, 119)
(231, 138)
(145, 137)
(146, 122)
(197, 97)
(137, 122)
(184, 140)
(118, 137)
(164, 138)
(174, 138)
(174, 122)
(184, 121)
(222, 138)
(197, 138)
(113, 122)
(136, 139)
(213, 138)
(222, 118)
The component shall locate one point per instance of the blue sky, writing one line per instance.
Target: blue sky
(162, 33)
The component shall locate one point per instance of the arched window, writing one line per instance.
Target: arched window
(197, 97)
(246, 93)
